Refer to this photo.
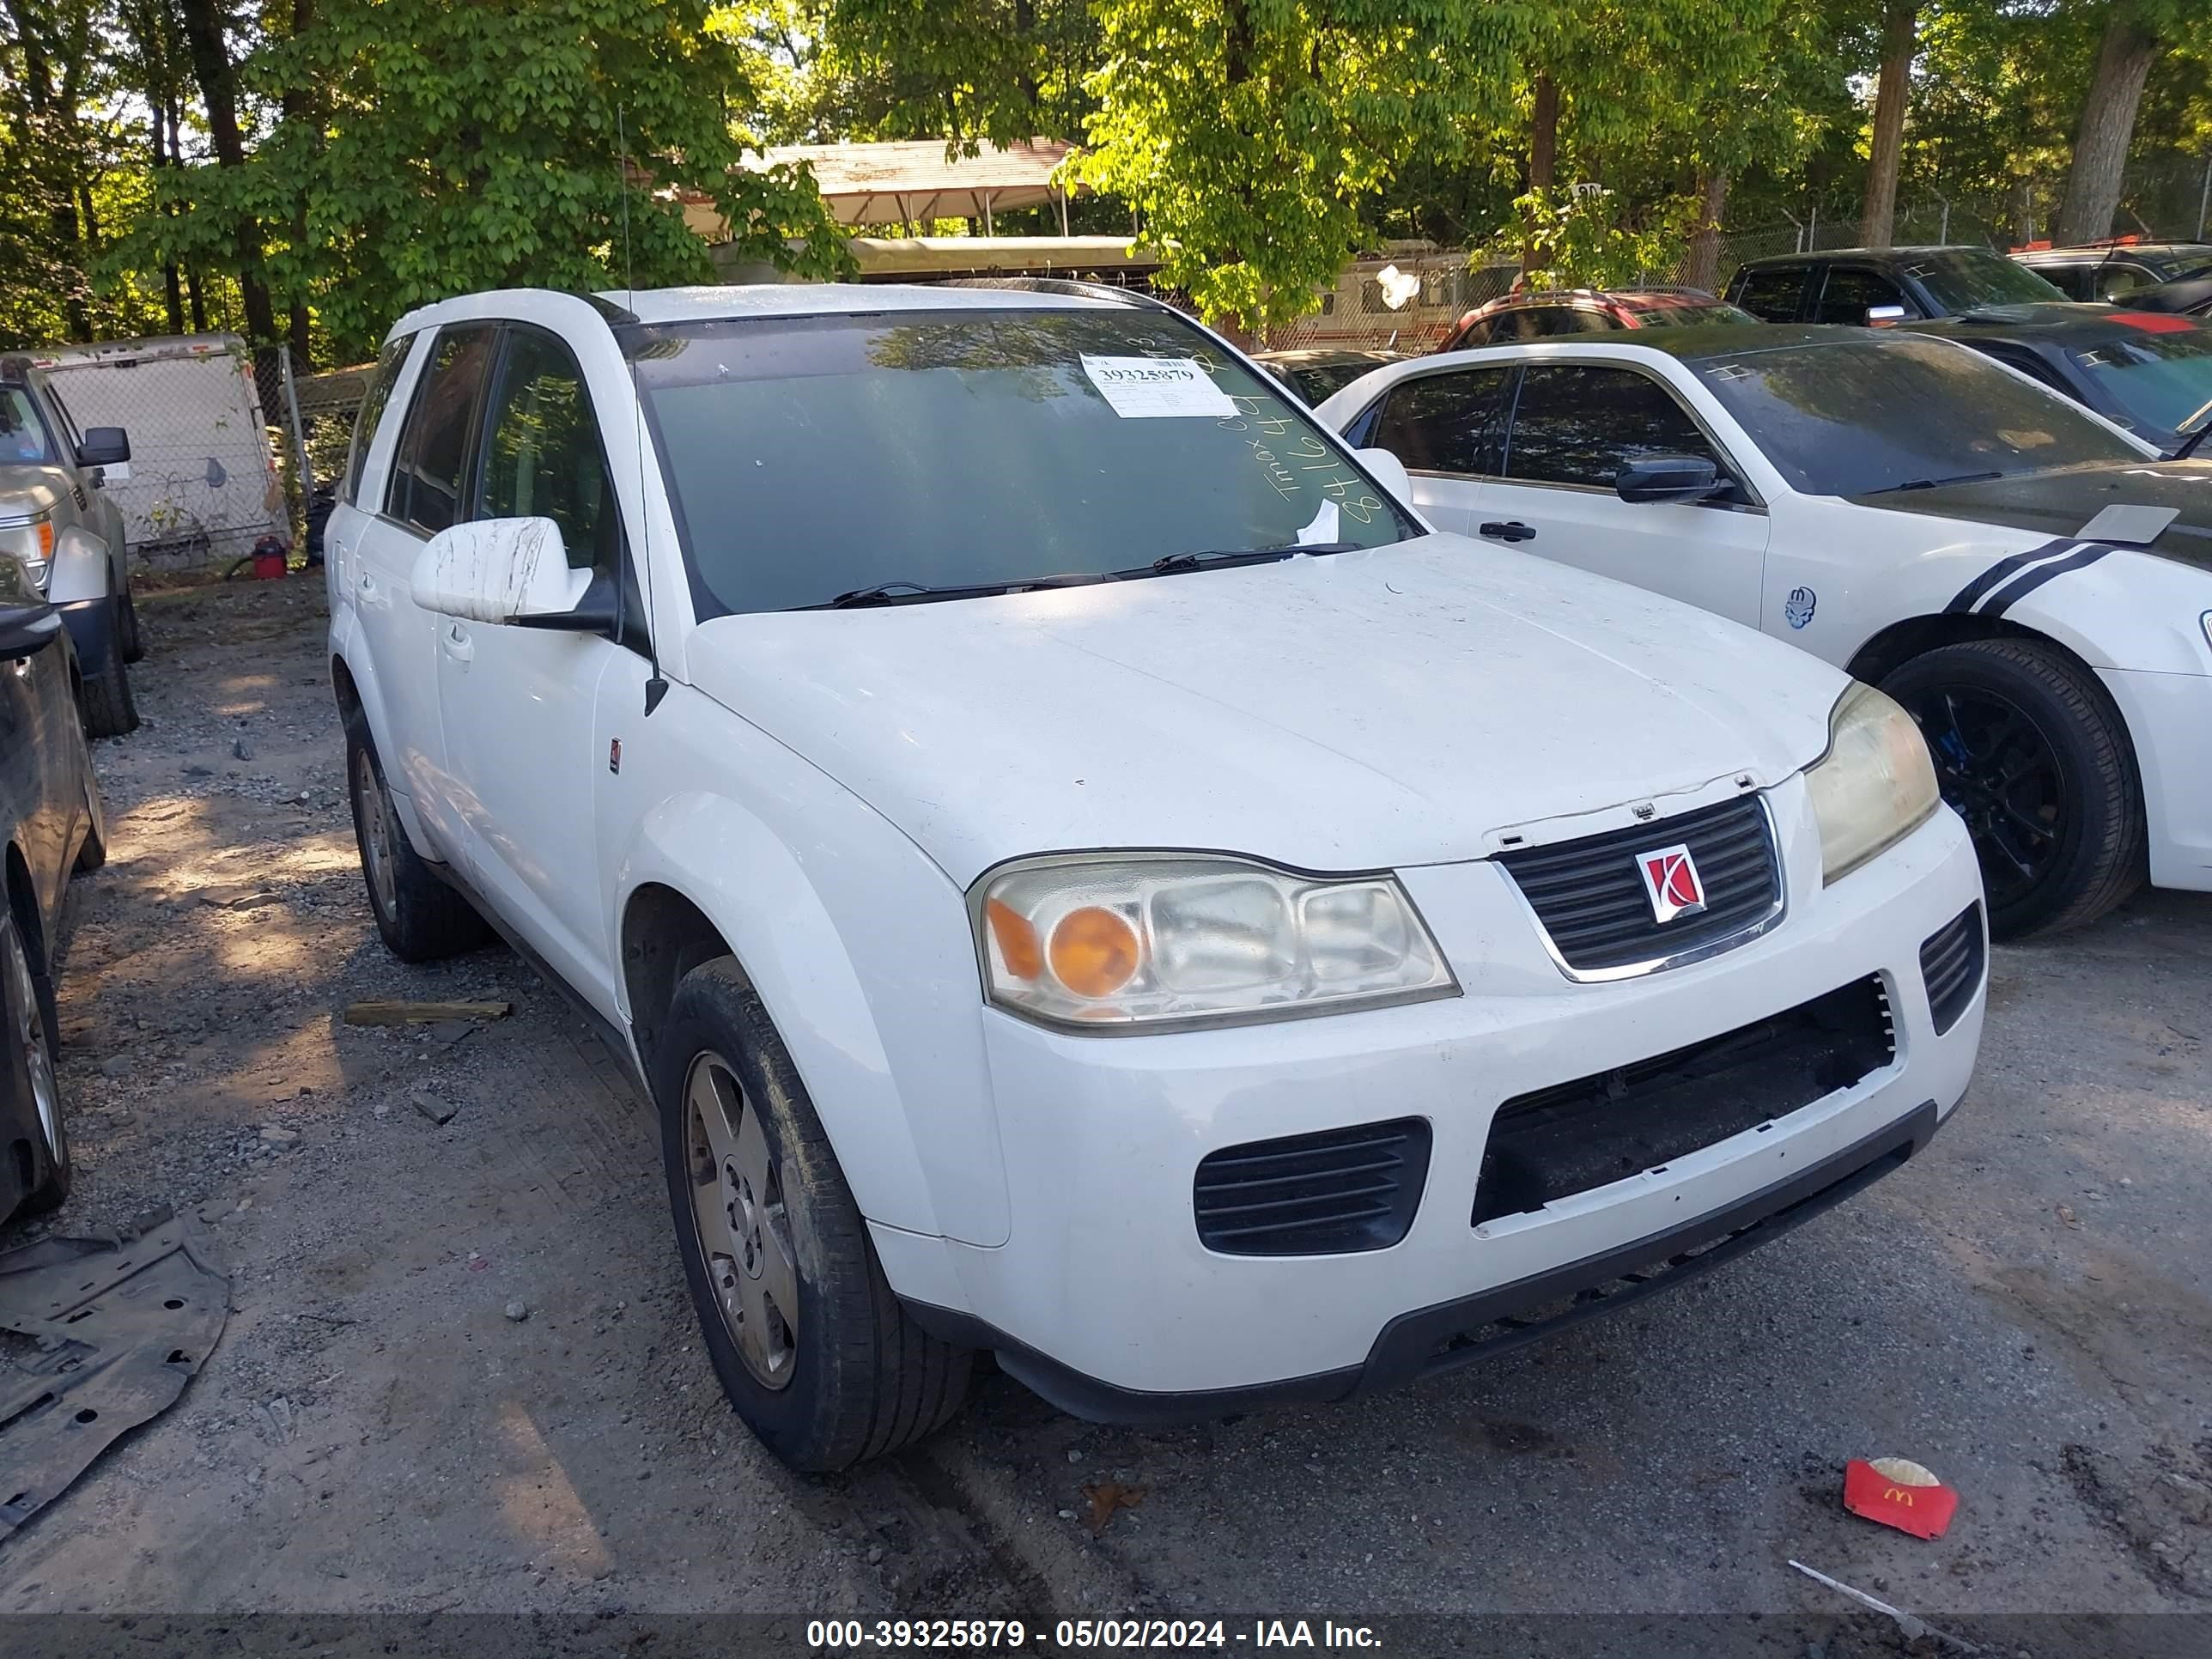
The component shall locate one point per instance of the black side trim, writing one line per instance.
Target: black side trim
(1431, 1340)
(1966, 598)
(2042, 573)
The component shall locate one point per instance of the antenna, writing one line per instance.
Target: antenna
(657, 687)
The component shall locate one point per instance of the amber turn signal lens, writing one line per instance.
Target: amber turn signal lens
(46, 539)
(1094, 952)
(1017, 939)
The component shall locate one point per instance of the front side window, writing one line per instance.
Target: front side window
(1772, 296)
(1964, 278)
(812, 458)
(1449, 422)
(1895, 411)
(429, 473)
(2118, 278)
(1850, 294)
(1581, 424)
(23, 439)
(2159, 378)
(389, 362)
(543, 457)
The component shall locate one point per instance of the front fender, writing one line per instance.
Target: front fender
(860, 952)
(82, 567)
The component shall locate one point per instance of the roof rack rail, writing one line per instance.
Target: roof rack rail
(608, 309)
(1068, 285)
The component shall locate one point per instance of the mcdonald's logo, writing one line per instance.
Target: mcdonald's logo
(1898, 1495)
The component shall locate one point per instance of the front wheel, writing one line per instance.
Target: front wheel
(2031, 751)
(133, 641)
(813, 1349)
(26, 1006)
(104, 701)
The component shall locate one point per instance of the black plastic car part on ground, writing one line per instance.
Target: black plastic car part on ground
(2150, 372)
(1864, 286)
(49, 823)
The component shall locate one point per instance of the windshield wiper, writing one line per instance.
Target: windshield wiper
(1230, 558)
(1937, 483)
(2192, 431)
(903, 593)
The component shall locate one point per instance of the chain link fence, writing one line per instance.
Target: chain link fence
(221, 455)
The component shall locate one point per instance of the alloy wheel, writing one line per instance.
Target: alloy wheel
(740, 1220)
(1998, 772)
(28, 1019)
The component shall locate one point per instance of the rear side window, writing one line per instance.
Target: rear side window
(1850, 294)
(1771, 296)
(2073, 281)
(429, 478)
(1445, 422)
(389, 362)
(1581, 425)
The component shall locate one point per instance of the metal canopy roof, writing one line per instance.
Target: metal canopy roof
(902, 183)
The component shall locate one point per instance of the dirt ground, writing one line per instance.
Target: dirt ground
(2027, 1310)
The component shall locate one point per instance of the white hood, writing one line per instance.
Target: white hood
(1352, 711)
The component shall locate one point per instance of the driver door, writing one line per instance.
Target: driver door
(520, 705)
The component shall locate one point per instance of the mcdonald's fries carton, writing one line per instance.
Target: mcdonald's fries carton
(1898, 1493)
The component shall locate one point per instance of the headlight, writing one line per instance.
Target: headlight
(31, 540)
(1873, 786)
(1108, 942)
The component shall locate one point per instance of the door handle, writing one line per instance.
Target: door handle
(1512, 530)
(456, 642)
(371, 594)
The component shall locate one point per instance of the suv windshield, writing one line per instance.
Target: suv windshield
(1963, 278)
(22, 433)
(811, 457)
(1884, 411)
(2159, 378)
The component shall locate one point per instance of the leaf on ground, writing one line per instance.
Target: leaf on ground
(2066, 1215)
(1107, 1497)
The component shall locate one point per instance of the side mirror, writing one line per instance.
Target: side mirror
(500, 570)
(103, 445)
(27, 630)
(1667, 479)
(1390, 473)
(1878, 316)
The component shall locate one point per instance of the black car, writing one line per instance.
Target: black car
(1314, 375)
(1883, 285)
(50, 825)
(2117, 270)
(2190, 296)
(2149, 371)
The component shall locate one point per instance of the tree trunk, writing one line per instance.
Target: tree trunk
(301, 108)
(1703, 269)
(198, 300)
(1899, 39)
(2107, 127)
(218, 79)
(1543, 156)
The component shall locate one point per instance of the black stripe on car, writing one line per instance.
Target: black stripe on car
(1967, 597)
(2042, 573)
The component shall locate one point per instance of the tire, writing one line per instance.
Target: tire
(92, 852)
(28, 1047)
(108, 708)
(2031, 750)
(845, 1374)
(127, 632)
(419, 916)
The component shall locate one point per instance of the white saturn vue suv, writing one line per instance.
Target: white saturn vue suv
(1084, 873)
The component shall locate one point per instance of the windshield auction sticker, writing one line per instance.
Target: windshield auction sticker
(1153, 388)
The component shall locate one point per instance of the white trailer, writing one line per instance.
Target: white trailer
(202, 483)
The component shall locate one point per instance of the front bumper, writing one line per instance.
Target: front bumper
(91, 624)
(1105, 1299)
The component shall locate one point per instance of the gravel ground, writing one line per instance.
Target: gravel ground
(2027, 1310)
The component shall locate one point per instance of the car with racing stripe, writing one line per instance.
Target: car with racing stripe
(2032, 582)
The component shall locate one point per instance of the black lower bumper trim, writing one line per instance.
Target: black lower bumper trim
(1451, 1334)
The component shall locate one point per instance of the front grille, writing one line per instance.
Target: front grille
(1951, 966)
(1554, 1142)
(1318, 1195)
(1589, 896)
